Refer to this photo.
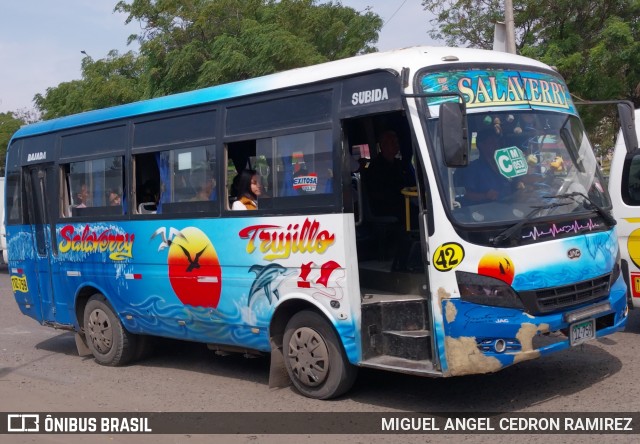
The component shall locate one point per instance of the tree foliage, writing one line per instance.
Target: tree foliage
(594, 44)
(189, 44)
(196, 43)
(9, 124)
(111, 81)
(464, 22)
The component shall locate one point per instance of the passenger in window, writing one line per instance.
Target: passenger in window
(82, 197)
(205, 190)
(114, 198)
(249, 189)
(386, 176)
(182, 188)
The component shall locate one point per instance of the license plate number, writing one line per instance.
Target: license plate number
(582, 331)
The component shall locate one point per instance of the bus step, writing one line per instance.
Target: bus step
(403, 315)
(395, 314)
(414, 345)
(401, 365)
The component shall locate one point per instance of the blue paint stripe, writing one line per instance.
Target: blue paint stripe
(175, 101)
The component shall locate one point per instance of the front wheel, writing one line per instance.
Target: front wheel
(110, 343)
(314, 357)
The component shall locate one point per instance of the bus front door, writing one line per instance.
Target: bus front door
(40, 186)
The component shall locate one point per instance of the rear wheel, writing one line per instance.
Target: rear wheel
(110, 343)
(314, 357)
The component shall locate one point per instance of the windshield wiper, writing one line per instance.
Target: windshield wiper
(509, 232)
(608, 218)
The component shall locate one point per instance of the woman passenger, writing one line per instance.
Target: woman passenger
(248, 189)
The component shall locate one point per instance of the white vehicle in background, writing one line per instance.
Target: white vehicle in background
(624, 187)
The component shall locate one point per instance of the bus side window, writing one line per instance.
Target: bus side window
(304, 163)
(13, 210)
(88, 187)
(147, 183)
(631, 181)
(187, 178)
(294, 169)
(65, 194)
(240, 155)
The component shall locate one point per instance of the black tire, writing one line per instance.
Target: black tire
(314, 357)
(145, 346)
(108, 340)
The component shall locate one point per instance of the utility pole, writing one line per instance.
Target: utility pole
(510, 41)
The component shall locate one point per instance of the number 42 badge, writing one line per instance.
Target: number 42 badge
(448, 256)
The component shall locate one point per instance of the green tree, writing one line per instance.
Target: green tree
(464, 22)
(9, 124)
(189, 44)
(594, 44)
(111, 81)
(198, 43)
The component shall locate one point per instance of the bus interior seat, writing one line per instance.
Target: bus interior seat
(147, 208)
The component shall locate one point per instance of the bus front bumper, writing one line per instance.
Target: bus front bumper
(484, 339)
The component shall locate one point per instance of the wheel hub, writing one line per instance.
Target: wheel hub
(99, 331)
(308, 357)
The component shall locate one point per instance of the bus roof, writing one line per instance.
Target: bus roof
(413, 58)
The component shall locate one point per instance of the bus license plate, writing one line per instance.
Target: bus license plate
(582, 331)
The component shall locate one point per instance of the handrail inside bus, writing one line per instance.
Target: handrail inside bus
(358, 181)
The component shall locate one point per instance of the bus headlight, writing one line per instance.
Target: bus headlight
(486, 290)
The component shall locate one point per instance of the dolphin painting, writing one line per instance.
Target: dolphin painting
(265, 275)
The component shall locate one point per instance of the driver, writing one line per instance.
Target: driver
(482, 179)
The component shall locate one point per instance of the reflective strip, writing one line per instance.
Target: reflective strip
(74, 273)
(133, 276)
(213, 279)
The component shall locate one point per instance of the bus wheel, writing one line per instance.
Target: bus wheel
(110, 343)
(314, 357)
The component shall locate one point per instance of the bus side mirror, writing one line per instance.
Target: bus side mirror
(627, 125)
(453, 134)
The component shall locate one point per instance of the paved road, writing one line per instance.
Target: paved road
(41, 371)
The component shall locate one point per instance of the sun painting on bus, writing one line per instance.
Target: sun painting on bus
(194, 268)
(499, 266)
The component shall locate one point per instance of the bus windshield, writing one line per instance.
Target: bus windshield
(524, 163)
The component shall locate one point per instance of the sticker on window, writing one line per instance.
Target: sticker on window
(307, 182)
(511, 162)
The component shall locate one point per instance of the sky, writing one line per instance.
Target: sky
(41, 40)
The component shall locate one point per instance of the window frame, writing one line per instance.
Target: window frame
(66, 208)
(332, 123)
(627, 198)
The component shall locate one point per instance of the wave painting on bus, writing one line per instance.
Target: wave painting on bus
(577, 259)
(210, 281)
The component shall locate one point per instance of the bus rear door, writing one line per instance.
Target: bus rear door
(40, 182)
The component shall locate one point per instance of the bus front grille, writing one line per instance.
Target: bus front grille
(548, 300)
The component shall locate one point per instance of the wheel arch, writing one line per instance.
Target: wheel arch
(278, 376)
(82, 297)
(285, 311)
